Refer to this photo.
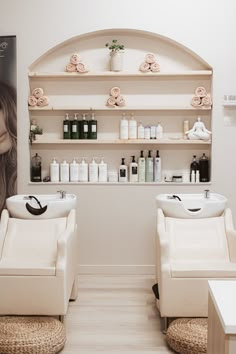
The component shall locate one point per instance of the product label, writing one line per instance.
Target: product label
(94, 128)
(74, 128)
(85, 128)
(122, 173)
(66, 129)
(134, 170)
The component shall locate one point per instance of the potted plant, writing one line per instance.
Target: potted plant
(116, 55)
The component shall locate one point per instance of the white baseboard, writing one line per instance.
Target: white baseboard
(116, 269)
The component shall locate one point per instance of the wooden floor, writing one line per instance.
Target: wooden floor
(115, 315)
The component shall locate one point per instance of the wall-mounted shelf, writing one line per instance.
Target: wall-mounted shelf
(121, 183)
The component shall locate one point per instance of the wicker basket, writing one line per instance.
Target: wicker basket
(31, 335)
(188, 335)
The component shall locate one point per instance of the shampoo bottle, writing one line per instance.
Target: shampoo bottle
(83, 171)
(93, 171)
(64, 172)
(54, 171)
(157, 168)
(66, 127)
(124, 128)
(204, 168)
(123, 172)
(149, 167)
(36, 165)
(194, 166)
(141, 167)
(75, 128)
(133, 170)
(140, 131)
(132, 127)
(84, 127)
(74, 171)
(159, 131)
(93, 127)
(102, 171)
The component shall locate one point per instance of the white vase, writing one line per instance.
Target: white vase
(116, 60)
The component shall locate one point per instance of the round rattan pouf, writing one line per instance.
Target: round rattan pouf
(188, 335)
(31, 335)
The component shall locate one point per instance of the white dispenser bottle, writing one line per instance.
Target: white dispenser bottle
(133, 170)
(149, 167)
(83, 171)
(64, 172)
(123, 171)
(132, 127)
(159, 131)
(140, 131)
(93, 171)
(141, 167)
(102, 171)
(74, 171)
(54, 171)
(124, 128)
(157, 168)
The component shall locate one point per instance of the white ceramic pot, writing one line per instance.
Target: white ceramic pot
(116, 61)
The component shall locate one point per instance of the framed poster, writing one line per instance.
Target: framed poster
(8, 119)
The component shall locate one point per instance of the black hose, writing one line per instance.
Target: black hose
(38, 202)
(176, 197)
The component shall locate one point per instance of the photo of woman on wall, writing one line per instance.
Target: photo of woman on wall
(8, 142)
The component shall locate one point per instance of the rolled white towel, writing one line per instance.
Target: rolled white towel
(155, 67)
(111, 102)
(150, 58)
(43, 101)
(81, 68)
(144, 67)
(196, 101)
(71, 68)
(115, 91)
(75, 59)
(206, 101)
(32, 101)
(200, 91)
(38, 92)
(120, 101)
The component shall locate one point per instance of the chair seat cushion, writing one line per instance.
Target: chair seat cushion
(203, 269)
(8, 267)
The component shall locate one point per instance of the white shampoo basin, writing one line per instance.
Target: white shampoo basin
(40, 206)
(191, 205)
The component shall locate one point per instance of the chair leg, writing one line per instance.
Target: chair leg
(61, 318)
(74, 291)
(164, 324)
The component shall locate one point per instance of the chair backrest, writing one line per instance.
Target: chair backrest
(197, 239)
(33, 240)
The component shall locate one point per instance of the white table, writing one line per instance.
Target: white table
(222, 317)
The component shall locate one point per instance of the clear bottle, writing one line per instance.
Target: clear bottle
(74, 171)
(153, 132)
(92, 127)
(93, 171)
(149, 167)
(54, 171)
(157, 168)
(141, 168)
(66, 127)
(123, 171)
(140, 131)
(194, 166)
(83, 171)
(64, 172)
(75, 128)
(102, 171)
(159, 131)
(147, 132)
(36, 166)
(132, 127)
(124, 128)
(133, 170)
(84, 127)
(186, 128)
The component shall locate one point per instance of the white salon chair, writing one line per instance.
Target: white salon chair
(189, 253)
(38, 265)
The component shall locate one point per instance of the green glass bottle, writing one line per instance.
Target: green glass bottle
(66, 127)
(84, 127)
(75, 128)
(93, 127)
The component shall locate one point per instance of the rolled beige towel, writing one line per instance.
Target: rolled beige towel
(206, 101)
(115, 91)
(38, 92)
(81, 68)
(196, 101)
(120, 101)
(155, 67)
(150, 58)
(71, 68)
(43, 101)
(144, 67)
(200, 91)
(111, 102)
(32, 101)
(75, 59)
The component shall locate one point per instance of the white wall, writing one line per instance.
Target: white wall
(117, 225)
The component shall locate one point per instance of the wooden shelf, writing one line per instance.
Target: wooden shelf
(169, 141)
(122, 183)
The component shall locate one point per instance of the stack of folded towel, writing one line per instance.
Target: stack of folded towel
(149, 64)
(37, 98)
(115, 98)
(76, 65)
(201, 98)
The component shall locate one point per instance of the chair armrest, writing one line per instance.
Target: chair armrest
(231, 234)
(162, 236)
(3, 228)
